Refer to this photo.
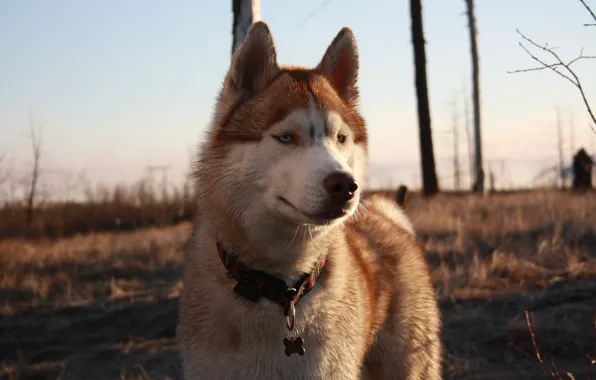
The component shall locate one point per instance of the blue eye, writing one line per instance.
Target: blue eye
(341, 139)
(286, 138)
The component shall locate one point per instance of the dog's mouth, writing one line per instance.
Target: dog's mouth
(330, 214)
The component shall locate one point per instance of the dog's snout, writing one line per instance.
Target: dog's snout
(340, 186)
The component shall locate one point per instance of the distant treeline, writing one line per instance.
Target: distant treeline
(113, 211)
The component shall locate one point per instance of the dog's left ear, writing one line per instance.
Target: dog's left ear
(340, 66)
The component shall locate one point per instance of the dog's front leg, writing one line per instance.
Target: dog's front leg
(397, 358)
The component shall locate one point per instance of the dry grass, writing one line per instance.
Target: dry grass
(139, 205)
(94, 307)
(104, 305)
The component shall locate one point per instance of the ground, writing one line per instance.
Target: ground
(105, 305)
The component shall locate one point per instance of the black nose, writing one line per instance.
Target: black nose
(340, 186)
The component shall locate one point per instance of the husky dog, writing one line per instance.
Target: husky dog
(288, 274)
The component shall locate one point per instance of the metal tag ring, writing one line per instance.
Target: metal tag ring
(291, 318)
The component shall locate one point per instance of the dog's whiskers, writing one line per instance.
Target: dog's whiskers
(360, 210)
(309, 231)
(294, 238)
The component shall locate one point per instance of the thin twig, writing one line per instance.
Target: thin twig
(536, 356)
(536, 350)
(561, 68)
(144, 373)
(592, 361)
(315, 11)
(589, 10)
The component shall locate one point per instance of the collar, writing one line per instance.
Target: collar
(254, 284)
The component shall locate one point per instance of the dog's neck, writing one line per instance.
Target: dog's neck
(283, 251)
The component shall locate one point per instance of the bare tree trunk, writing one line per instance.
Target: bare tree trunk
(4, 172)
(560, 149)
(469, 137)
(479, 185)
(430, 184)
(572, 146)
(36, 150)
(456, 167)
(246, 12)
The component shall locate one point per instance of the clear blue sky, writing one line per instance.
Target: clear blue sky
(118, 85)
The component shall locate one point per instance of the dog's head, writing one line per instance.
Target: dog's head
(287, 143)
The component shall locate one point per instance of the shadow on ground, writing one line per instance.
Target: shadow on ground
(98, 341)
(125, 338)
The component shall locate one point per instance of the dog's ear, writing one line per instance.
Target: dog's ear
(340, 66)
(254, 63)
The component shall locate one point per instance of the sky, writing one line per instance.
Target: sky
(116, 86)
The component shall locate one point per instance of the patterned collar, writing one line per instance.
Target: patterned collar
(254, 284)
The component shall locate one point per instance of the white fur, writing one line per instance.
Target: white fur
(296, 172)
(396, 213)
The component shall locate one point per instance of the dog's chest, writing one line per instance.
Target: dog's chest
(267, 360)
(256, 350)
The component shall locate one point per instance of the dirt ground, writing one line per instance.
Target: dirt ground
(105, 306)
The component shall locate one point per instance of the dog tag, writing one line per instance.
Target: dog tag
(294, 346)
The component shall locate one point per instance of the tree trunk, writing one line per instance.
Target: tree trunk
(471, 165)
(32, 191)
(430, 185)
(36, 150)
(245, 13)
(479, 184)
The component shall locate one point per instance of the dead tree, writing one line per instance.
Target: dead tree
(560, 144)
(456, 167)
(492, 178)
(4, 172)
(571, 134)
(35, 137)
(479, 177)
(246, 12)
(468, 136)
(430, 184)
(558, 65)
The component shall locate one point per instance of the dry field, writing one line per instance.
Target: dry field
(104, 305)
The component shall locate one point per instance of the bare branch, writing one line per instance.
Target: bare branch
(551, 66)
(559, 67)
(589, 11)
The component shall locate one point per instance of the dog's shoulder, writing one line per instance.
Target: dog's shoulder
(387, 237)
(381, 207)
(381, 218)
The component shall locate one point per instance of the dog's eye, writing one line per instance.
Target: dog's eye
(285, 138)
(341, 139)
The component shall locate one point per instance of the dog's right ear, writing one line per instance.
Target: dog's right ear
(254, 63)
